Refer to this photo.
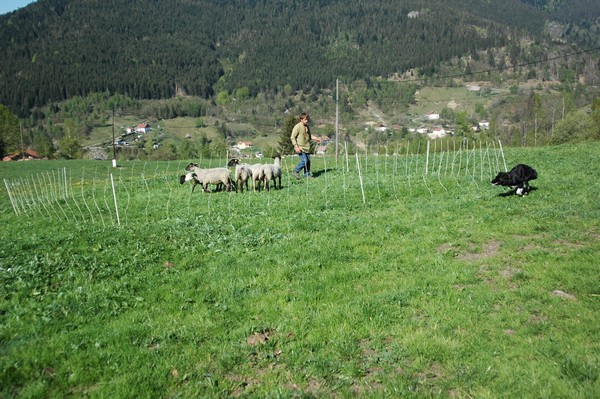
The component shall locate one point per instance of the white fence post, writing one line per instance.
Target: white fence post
(112, 182)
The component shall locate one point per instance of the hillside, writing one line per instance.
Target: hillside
(212, 74)
(150, 49)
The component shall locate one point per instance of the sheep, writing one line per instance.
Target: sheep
(212, 176)
(189, 177)
(242, 174)
(193, 177)
(277, 171)
(267, 172)
(254, 171)
(257, 175)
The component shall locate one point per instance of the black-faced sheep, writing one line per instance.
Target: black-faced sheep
(211, 176)
(189, 177)
(242, 174)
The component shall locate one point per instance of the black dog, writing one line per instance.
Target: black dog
(518, 178)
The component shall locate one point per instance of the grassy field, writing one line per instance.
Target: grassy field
(435, 99)
(423, 281)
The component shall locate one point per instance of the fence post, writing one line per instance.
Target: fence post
(112, 182)
(427, 159)
(502, 152)
(362, 188)
(12, 202)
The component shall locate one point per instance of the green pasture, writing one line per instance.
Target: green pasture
(399, 276)
(177, 128)
(435, 99)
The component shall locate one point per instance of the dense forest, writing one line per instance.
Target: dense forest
(115, 53)
(56, 49)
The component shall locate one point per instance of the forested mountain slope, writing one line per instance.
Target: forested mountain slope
(55, 49)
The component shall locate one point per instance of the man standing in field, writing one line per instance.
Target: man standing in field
(301, 141)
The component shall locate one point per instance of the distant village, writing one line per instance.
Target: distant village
(243, 149)
(134, 133)
(430, 127)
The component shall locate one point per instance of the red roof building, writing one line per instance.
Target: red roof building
(26, 155)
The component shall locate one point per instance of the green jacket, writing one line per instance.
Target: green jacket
(301, 136)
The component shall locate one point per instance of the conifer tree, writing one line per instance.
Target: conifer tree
(285, 144)
(9, 131)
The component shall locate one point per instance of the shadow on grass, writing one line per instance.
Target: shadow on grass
(315, 174)
(514, 192)
(321, 172)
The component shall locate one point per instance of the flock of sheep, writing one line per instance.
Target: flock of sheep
(261, 176)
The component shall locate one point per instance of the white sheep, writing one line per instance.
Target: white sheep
(257, 175)
(267, 173)
(211, 176)
(277, 171)
(242, 174)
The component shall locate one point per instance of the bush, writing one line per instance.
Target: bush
(575, 127)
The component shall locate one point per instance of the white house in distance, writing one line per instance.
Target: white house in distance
(242, 145)
(437, 133)
(433, 116)
(143, 128)
(381, 128)
(484, 125)
(321, 150)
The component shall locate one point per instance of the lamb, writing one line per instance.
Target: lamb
(211, 176)
(242, 174)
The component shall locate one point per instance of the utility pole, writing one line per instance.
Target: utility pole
(22, 148)
(337, 117)
(114, 161)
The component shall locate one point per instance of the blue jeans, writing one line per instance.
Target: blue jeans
(303, 164)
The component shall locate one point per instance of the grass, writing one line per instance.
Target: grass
(435, 99)
(434, 286)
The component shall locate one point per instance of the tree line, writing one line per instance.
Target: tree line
(67, 65)
(53, 50)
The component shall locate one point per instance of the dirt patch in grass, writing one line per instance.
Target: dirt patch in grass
(538, 317)
(564, 295)
(241, 383)
(567, 244)
(367, 384)
(445, 247)
(488, 250)
(531, 241)
(509, 272)
(434, 372)
(260, 338)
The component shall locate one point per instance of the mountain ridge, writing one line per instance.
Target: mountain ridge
(153, 49)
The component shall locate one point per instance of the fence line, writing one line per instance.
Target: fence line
(139, 194)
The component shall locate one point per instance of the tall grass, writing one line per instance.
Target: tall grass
(435, 284)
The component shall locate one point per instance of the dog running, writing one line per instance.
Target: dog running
(518, 178)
